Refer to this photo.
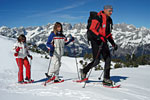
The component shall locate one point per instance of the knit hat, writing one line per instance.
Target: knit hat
(107, 7)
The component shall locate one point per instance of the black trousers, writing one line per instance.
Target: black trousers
(99, 49)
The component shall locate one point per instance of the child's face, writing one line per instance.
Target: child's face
(58, 28)
(23, 40)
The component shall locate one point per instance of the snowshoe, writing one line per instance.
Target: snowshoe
(79, 81)
(30, 81)
(49, 80)
(22, 82)
(114, 86)
(58, 81)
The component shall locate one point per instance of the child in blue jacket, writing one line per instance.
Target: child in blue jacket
(56, 42)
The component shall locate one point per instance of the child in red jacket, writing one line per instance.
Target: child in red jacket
(21, 52)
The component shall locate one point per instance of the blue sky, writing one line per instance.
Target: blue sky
(16, 13)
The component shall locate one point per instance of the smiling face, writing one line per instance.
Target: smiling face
(23, 40)
(58, 28)
(108, 12)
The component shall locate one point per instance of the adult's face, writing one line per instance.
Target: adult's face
(108, 12)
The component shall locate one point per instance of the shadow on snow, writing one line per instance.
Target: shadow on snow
(113, 78)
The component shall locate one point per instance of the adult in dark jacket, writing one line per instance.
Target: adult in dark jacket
(102, 30)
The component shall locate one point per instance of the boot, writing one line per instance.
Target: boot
(83, 75)
(21, 82)
(55, 81)
(48, 76)
(107, 82)
(28, 80)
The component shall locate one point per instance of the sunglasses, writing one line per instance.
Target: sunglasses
(110, 10)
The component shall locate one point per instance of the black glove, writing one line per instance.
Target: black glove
(51, 53)
(71, 38)
(115, 46)
(30, 57)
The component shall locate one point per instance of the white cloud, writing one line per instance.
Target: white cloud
(67, 7)
(57, 10)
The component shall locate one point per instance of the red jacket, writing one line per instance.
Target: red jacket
(105, 28)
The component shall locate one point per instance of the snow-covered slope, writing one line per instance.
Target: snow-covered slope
(129, 38)
(134, 81)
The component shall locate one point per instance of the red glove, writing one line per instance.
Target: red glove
(30, 57)
(103, 39)
(18, 49)
(15, 54)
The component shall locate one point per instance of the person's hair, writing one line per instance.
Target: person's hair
(21, 37)
(55, 27)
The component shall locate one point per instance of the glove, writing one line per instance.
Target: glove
(18, 49)
(48, 49)
(101, 38)
(51, 53)
(15, 54)
(51, 50)
(115, 46)
(30, 57)
(71, 39)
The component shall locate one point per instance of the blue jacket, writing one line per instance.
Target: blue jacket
(50, 43)
(53, 36)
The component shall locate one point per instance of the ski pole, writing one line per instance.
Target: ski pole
(113, 53)
(48, 69)
(30, 66)
(19, 68)
(76, 62)
(101, 75)
(30, 62)
(49, 65)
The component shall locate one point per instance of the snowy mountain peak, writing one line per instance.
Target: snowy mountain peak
(128, 37)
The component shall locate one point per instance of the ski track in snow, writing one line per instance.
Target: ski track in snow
(68, 89)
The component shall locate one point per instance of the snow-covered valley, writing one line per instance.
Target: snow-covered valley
(134, 81)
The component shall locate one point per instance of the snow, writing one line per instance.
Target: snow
(134, 81)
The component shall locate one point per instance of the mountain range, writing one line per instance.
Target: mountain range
(130, 40)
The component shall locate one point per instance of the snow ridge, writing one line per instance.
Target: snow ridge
(128, 37)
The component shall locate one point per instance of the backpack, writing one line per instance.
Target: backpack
(90, 34)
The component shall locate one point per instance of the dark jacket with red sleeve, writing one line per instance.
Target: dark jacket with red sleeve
(103, 30)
